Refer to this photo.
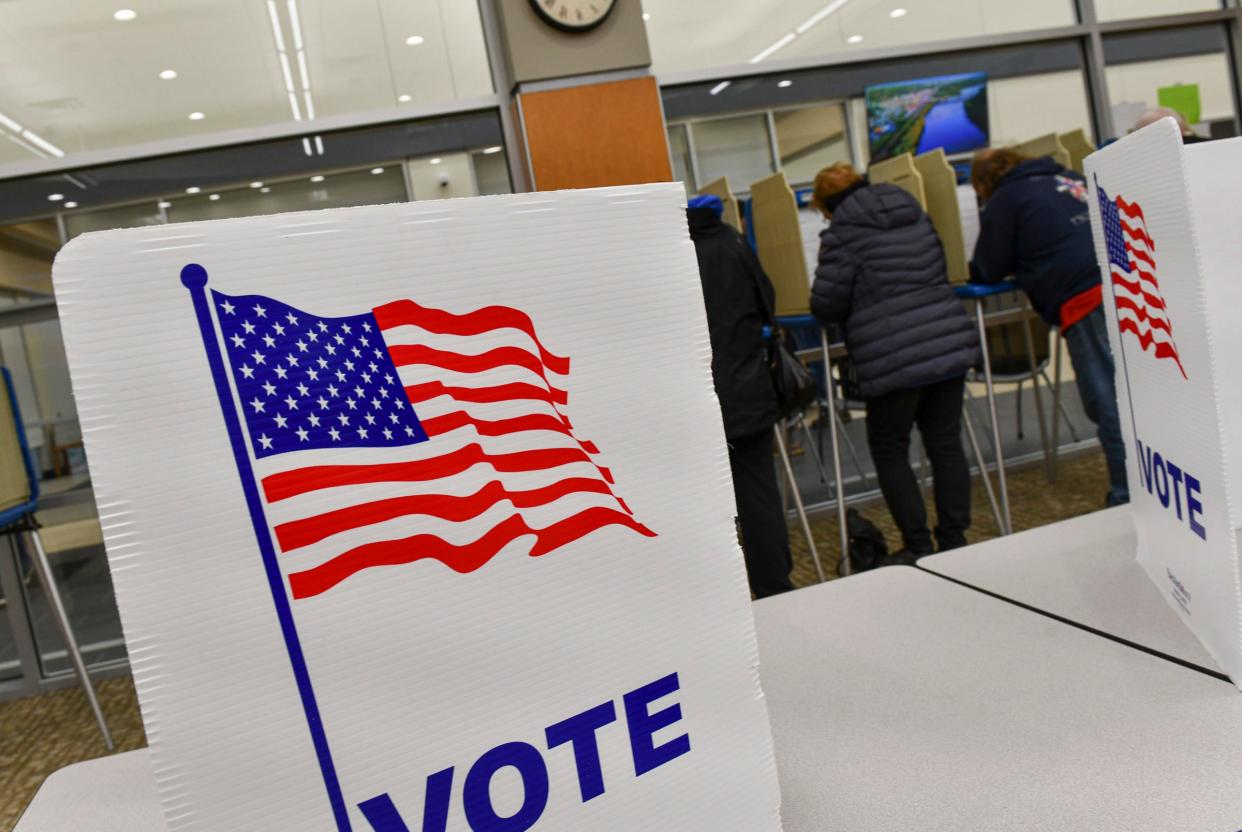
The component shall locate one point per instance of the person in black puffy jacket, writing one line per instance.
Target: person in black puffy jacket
(1035, 226)
(740, 300)
(882, 273)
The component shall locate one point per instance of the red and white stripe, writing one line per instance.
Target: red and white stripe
(1141, 309)
(502, 467)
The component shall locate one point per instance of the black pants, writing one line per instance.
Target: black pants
(937, 410)
(765, 537)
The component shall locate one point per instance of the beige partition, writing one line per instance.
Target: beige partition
(940, 187)
(778, 236)
(14, 485)
(1078, 146)
(720, 188)
(900, 171)
(1049, 145)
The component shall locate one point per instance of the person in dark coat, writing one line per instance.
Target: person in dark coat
(1035, 226)
(740, 300)
(882, 272)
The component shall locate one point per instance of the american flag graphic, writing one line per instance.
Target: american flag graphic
(1141, 310)
(408, 433)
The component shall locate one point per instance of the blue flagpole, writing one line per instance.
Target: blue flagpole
(194, 278)
(1121, 336)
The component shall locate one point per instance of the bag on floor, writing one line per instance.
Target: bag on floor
(868, 549)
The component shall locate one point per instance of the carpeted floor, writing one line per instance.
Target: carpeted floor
(42, 734)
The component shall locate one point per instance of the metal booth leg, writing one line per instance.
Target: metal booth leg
(1002, 486)
(797, 498)
(983, 471)
(847, 568)
(1039, 399)
(44, 568)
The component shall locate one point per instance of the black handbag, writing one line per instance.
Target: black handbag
(795, 386)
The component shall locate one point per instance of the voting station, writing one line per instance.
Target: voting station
(616, 415)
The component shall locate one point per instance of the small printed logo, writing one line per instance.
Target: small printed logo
(1073, 187)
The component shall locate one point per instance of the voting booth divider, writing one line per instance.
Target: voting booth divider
(401, 539)
(732, 211)
(1077, 146)
(1046, 145)
(941, 203)
(1167, 243)
(902, 172)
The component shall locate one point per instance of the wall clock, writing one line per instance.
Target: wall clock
(573, 16)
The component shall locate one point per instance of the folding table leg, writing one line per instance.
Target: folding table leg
(1001, 485)
(847, 567)
(983, 471)
(44, 567)
(797, 498)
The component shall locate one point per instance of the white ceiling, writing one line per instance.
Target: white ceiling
(698, 34)
(84, 81)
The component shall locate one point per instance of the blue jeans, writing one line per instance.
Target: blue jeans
(1093, 365)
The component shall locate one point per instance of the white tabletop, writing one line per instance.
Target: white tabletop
(902, 701)
(1084, 570)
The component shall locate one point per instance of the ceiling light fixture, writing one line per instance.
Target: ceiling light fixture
(168, 74)
(55, 197)
(256, 184)
(896, 13)
(306, 146)
(493, 149)
(214, 197)
(785, 83)
(377, 170)
(43, 144)
(404, 99)
(436, 160)
(814, 20)
(165, 204)
(319, 145)
(646, 16)
(317, 177)
(193, 189)
(415, 40)
(71, 205)
(776, 47)
(854, 39)
(30, 140)
(265, 190)
(124, 15)
(301, 102)
(719, 88)
(196, 116)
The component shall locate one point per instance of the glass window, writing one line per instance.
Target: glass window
(698, 34)
(252, 64)
(374, 186)
(679, 149)
(810, 139)
(103, 219)
(1121, 9)
(739, 148)
(491, 171)
(1134, 85)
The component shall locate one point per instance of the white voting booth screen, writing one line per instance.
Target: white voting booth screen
(420, 517)
(1162, 214)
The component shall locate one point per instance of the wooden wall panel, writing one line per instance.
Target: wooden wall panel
(596, 135)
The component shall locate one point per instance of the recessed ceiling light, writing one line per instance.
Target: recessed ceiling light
(214, 197)
(646, 16)
(404, 99)
(493, 149)
(197, 116)
(897, 13)
(165, 204)
(168, 74)
(377, 170)
(256, 184)
(265, 190)
(414, 40)
(719, 88)
(854, 39)
(436, 160)
(124, 15)
(317, 178)
(193, 189)
(71, 205)
(785, 83)
(55, 197)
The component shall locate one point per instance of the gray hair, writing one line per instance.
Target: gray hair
(1156, 113)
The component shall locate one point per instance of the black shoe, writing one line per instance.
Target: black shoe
(902, 557)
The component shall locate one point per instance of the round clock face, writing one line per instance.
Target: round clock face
(573, 15)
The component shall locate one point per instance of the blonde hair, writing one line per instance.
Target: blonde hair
(833, 180)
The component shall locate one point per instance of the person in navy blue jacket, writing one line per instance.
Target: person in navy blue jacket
(1035, 226)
